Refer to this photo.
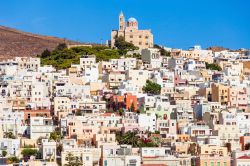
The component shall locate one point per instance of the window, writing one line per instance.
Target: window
(87, 158)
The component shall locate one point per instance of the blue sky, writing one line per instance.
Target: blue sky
(174, 23)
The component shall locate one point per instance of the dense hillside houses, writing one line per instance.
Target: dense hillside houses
(144, 107)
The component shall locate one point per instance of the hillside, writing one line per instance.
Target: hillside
(18, 43)
(217, 48)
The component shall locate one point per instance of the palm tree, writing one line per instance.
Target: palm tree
(130, 138)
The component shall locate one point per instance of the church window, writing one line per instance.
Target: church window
(131, 36)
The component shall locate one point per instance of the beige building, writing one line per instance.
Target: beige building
(114, 79)
(138, 78)
(129, 30)
(228, 134)
(220, 93)
(212, 150)
(104, 139)
(28, 63)
(86, 155)
(195, 53)
(61, 106)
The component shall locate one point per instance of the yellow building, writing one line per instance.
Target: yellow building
(206, 74)
(220, 93)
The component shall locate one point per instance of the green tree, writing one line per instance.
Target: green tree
(4, 153)
(61, 46)
(62, 58)
(46, 53)
(162, 50)
(56, 135)
(213, 66)
(135, 55)
(124, 46)
(73, 160)
(157, 132)
(130, 138)
(12, 159)
(27, 152)
(152, 88)
(121, 111)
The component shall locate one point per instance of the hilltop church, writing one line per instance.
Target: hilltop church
(140, 38)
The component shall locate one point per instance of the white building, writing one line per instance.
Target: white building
(86, 61)
(152, 56)
(147, 121)
(49, 150)
(120, 155)
(40, 127)
(11, 146)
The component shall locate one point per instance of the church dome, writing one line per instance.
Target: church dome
(132, 19)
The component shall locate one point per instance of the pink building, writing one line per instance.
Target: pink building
(209, 160)
(237, 97)
(131, 127)
(167, 127)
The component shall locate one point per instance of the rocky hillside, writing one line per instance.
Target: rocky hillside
(217, 48)
(18, 43)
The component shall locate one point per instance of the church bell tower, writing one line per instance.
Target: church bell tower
(121, 22)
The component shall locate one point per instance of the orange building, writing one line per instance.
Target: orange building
(36, 113)
(183, 138)
(244, 140)
(125, 101)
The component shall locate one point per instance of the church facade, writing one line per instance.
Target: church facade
(129, 30)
